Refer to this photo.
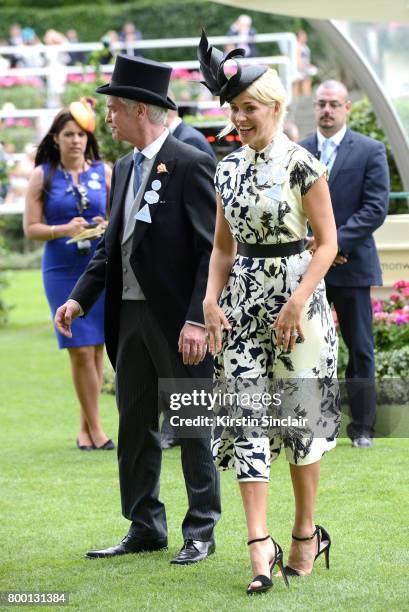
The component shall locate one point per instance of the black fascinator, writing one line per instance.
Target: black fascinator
(212, 63)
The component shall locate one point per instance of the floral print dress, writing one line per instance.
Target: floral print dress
(261, 193)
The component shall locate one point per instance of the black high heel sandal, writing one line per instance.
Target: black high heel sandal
(84, 447)
(323, 537)
(266, 582)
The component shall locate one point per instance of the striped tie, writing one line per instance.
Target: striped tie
(137, 172)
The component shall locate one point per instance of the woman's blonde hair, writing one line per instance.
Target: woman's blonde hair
(267, 89)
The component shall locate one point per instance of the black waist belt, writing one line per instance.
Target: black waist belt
(271, 250)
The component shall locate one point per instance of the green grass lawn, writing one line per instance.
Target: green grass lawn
(57, 502)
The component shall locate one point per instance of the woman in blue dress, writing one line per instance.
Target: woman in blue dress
(68, 190)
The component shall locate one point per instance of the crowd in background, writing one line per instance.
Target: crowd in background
(31, 53)
(29, 57)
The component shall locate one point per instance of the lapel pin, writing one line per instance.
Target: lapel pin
(161, 168)
(262, 178)
(152, 197)
(274, 193)
(156, 185)
(144, 215)
(279, 177)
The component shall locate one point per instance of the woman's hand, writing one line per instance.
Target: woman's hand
(215, 320)
(75, 226)
(288, 323)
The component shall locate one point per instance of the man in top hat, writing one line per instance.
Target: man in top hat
(153, 263)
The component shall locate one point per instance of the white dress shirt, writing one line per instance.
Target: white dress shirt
(149, 154)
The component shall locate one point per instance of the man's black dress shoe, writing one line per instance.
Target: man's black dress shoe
(168, 441)
(362, 442)
(194, 551)
(128, 545)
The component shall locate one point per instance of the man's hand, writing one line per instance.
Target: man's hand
(312, 246)
(339, 259)
(192, 344)
(64, 317)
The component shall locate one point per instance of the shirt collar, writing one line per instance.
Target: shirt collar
(336, 138)
(275, 148)
(172, 127)
(154, 147)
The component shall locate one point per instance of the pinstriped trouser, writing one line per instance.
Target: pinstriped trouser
(143, 357)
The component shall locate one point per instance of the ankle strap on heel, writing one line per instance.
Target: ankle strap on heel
(258, 540)
(308, 537)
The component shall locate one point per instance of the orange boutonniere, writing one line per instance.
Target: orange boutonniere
(161, 168)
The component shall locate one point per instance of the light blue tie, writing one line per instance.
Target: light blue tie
(137, 172)
(327, 152)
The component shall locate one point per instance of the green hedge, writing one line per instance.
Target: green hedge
(19, 135)
(12, 5)
(24, 96)
(21, 261)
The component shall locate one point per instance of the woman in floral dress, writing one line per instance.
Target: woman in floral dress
(268, 321)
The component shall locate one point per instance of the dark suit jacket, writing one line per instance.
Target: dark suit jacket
(170, 256)
(190, 135)
(359, 187)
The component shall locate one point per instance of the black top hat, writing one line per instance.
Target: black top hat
(212, 63)
(137, 78)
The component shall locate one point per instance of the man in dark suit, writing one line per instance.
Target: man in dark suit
(359, 187)
(187, 133)
(153, 263)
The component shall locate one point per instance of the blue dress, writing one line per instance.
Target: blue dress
(62, 263)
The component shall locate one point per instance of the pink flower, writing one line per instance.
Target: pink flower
(11, 81)
(195, 75)
(377, 306)
(394, 297)
(35, 81)
(218, 112)
(401, 319)
(400, 284)
(381, 317)
(180, 73)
